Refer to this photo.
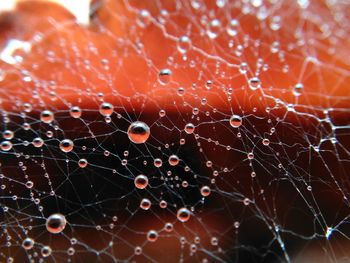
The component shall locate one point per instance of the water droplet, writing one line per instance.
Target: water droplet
(168, 227)
(235, 121)
(46, 251)
(6, 146)
(106, 109)
(183, 214)
(254, 83)
(164, 76)
(213, 28)
(66, 145)
(250, 156)
(138, 250)
(144, 18)
(152, 235)
(158, 162)
(8, 135)
(205, 190)
(275, 23)
(141, 181)
(173, 160)
(29, 184)
(56, 223)
(189, 128)
(163, 204)
(184, 44)
(266, 142)
(162, 113)
(243, 68)
(138, 132)
(145, 204)
(82, 163)
(46, 116)
(298, 89)
(28, 243)
(75, 112)
(232, 28)
(38, 142)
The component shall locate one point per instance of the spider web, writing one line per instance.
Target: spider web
(250, 96)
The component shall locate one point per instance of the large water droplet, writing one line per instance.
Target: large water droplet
(141, 181)
(138, 132)
(213, 28)
(298, 89)
(232, 27)
(46, 251)
(235, 121)
(164, 76)
(6, 146)
(66, 145)
(75, 112)
(173, 160)
(106, 109)
(28, 243)
(56, 223)
(152, 235)
(46, 116)
(184, 44)
(183, 214)
(254, 83)
(189, 128)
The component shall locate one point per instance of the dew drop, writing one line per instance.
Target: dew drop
(205, 191)
(82, 163)
(46, 116)
(75, 112)
(235, 121)
(232, 28)
(66, 145)
(168, 227)
(213, 28)
(38, 142)
(145, 204)
(106, 109)
(189, 128)
(144, 18)
(141, 181)
(183, 214)
(298, 89)
(173, 160)
(152, 235)
(29, 184)
(46, 251)
(28, 243)
(266, 142)
(243, 68)
(138, 250)
(184, 44)
(8, 135)
(158, 162)
(138, 132)
(254, 83)
(6, 146)
(164, 76)
(56, 223)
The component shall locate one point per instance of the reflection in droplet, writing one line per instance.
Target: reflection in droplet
(141, 181)
(164, 76)
(66, 145)
(138, 132)
(183, 214)
(235, 121)
(56, 223)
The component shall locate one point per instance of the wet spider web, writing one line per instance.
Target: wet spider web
(247, 157)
